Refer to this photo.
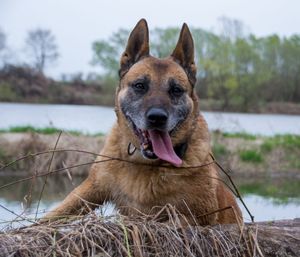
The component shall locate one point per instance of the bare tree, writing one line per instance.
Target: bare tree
(2, 47)
(232, 28)
(2, 40)
(42, 48)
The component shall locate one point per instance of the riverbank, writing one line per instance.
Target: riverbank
(25, 85)
(243, 154)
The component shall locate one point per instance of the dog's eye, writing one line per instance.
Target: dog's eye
(140, 87)
(176, 91)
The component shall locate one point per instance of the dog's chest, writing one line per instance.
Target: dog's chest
(144, 188)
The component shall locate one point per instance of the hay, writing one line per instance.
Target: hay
(91, 235)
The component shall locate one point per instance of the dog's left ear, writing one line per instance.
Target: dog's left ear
(184, 53)
(137, 46)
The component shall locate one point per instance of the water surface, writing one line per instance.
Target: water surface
(21, 199)
(94, 119)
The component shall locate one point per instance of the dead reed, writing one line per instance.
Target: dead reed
(92, 235)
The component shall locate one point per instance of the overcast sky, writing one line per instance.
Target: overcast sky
(77, 23)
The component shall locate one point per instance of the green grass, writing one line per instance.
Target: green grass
(251, 156)
(239, 135)
(286, 141)
(45, 131)
(99, 134)
(280, 190)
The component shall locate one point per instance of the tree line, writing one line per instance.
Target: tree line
(238, 70)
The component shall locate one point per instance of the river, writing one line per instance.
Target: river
(21, 198)
(94, 119)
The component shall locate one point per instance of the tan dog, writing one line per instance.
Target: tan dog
(158, 114)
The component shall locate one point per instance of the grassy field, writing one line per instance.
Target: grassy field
(257, 153)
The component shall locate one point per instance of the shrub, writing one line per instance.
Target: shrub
(219, 150)
(239, 135)
(7, 93)
(251, 156)
(286, 141)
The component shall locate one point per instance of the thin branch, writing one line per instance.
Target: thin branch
(234, 186)
(49, 168)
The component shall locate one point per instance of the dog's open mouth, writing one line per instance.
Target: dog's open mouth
(157, 144)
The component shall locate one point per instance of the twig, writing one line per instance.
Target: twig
(49, 168)
(47, 173)
(234, 186)
(167, 166)
(17, 215)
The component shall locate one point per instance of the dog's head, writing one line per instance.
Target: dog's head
(156, 97)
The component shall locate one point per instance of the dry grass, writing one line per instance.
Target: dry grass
(17, 145)
(91, 235)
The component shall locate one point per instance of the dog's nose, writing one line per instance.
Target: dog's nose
(157, 117)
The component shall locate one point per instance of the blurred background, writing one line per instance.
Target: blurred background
(59, 71)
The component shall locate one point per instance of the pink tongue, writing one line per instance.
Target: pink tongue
(163, 148)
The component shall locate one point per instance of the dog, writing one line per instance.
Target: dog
(158, 116)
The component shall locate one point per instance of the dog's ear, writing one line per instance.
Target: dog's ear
(137, 46)
(184, 53)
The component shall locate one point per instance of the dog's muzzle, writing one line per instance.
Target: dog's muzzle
(155, 140)
(157, 118)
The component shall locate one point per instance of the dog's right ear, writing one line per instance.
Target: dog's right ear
(184, 53)
(137, 47)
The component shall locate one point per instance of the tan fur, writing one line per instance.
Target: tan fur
(140, 185)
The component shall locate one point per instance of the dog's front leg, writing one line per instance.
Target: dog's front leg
(87, 196)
